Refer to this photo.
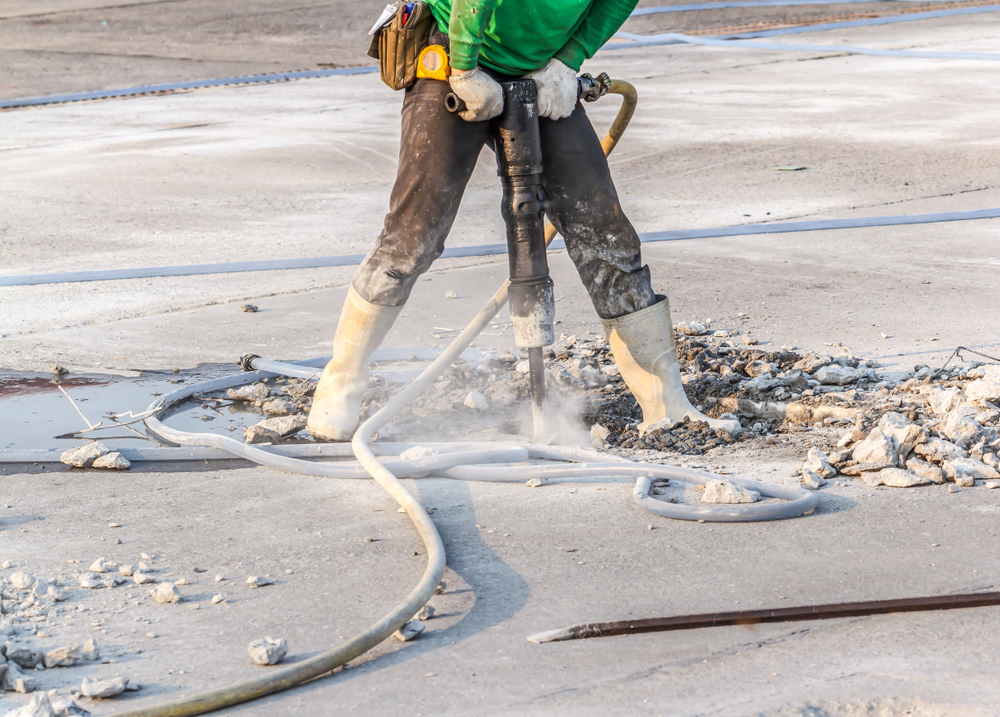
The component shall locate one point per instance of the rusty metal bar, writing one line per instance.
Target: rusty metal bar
(755, 617)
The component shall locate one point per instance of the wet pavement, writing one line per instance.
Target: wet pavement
(35, 414)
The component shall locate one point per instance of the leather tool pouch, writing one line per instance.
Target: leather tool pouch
(397, 46)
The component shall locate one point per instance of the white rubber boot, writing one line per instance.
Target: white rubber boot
(336, 406)
(644, 349)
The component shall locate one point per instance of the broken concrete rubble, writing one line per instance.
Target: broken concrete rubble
(84, 456)
(925, 470)
(811, 480)
(877, 449)
(268, 651)
(986, 387)
(112, 461)
(13, 680)
(966, 471)
(256, 435)
(941, 400)
(280, 407)
(92, 581)
(960, 427)
(39, 706)
(21, 581)
(103, 689)
(939, 451)
(165, 593)
(899, 478)
(90, 651)
(410, 631)
(62, 656)
(816, 462)
(905, 435)
(284, 426)
(598, 434)
(692, 328)
(727, 492)
(834, 375)
(23, 655)
(102, 566)
(250, 392)
(477, 401)
(895, 417)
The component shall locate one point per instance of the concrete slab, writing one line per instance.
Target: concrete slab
(521, 561)
(303, 169)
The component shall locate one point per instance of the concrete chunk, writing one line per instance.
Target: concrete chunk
(477, 401)
(727, 492)
(898, 478)
(90, 650)
(16, 681)
(251, 392)
(268, 651)
(62, 656)
(816, 462)
(113, 461)
(877, 448)
(966, 471)
(939, 451)
(39, 706)
(925, 470)
(165, 593)
(284, 426)
(84, 456)
(103, 689)
(22, 655)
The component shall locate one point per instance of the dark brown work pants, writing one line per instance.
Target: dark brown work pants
(437, 155)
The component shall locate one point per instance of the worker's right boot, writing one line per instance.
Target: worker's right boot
(336, 406)
(646, 354)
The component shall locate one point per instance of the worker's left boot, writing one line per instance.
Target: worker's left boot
(646, 354)
(336, 406)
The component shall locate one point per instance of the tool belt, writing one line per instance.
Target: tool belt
(399, 42)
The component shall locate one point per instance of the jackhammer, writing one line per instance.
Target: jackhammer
(518, 148)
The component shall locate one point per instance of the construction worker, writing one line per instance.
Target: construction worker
(547, 41)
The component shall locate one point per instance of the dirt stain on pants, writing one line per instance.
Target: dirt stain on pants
(437, 156)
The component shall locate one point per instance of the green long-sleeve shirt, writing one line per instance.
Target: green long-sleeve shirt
(518, 36)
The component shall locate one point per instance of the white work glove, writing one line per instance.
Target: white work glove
(482, 95)
(557, 89)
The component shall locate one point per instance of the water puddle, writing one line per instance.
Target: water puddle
(34, 413)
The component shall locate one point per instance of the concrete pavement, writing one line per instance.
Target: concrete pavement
(304, 169)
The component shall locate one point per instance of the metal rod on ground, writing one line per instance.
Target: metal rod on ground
(755, 617)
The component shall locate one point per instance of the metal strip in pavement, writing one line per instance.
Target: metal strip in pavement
(492, 249)
(672, 38)
(191, 85)
(678, 38)
(692, 7)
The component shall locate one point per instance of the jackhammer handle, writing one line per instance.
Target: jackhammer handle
(589, 89)
(454, 103)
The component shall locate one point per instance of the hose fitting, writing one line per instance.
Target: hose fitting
(593, 88)
(246, 362)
